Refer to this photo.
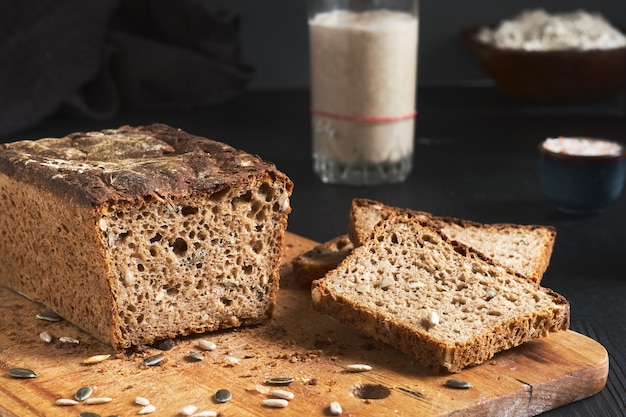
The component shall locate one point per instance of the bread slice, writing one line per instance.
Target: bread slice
(524, 249)
(434, 299)
(314, 263)
(142, 233)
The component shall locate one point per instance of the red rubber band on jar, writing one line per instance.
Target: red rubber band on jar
(367, 119)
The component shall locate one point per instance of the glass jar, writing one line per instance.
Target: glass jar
(363, 89)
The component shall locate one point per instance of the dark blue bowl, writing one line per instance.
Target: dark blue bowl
(582, 183)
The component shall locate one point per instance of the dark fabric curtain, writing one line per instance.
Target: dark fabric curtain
(94, 58)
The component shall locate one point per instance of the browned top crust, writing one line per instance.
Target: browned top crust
(132, 162)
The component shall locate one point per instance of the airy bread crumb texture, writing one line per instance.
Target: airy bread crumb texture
(202, 263)
(524, 249)
(407, 270)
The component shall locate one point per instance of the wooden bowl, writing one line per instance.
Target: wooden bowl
(550, 76)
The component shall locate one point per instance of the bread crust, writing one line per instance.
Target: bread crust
(142, 233)
(314, 263)
(131, 162)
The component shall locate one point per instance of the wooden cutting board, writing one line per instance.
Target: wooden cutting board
(297, 343)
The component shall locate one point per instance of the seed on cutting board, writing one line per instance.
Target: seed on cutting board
(358, 367)
(45, 336)
(458, 384)
(188, 410)
(96, 359)
(335, 408)
(98, 400)
(231, 360)
(281, 380)
(153, 360)
(49, 316)
(223, 395)
(88, 414)
(142, 401)
(83, 393)
(65, 401)
(207, 345)
(275, 403)
(281, 393)
(66, 339)
(262, 389)
(150, 408)
(22, 373)
(195, 355)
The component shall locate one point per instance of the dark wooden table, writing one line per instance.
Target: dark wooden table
(475, 158)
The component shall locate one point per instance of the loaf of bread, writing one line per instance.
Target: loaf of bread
(142, 233)
(524, 249)
(320, 259)
(434, 299)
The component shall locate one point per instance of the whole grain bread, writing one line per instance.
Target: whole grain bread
(434, 299)
(316, 262)
(524, 249)
(142, 233)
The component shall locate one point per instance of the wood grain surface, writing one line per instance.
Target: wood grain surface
(298, 343)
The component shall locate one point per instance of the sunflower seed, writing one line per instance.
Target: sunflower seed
(153, 360)
(275, 403)
(205, 414)
(386, 282)
(71, 340)
(433, 318)
(358, 367)
(195, 355)
(262, 389)
(45, 336)
(281, 380)
(458, 384)
(223, 395)
(88, 414)
(65, 401)
(96, 359)
(142, 401)
(335, 408)
(83, 393)
(98, 400)
(188, 410)
(281, 393)
(49, 316)
(22, 373)
(207, 345)
(231, 360)
(147, 409)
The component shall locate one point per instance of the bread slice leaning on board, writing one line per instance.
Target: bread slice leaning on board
(435, 299)
(525, 249)
(314, 263)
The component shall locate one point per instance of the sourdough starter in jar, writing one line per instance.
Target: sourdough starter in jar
(363, 85)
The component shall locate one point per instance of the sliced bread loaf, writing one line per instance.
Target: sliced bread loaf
(142, 233)
(524, 249)
(314, 263)
(436, 300)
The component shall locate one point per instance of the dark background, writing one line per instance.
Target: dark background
(274, 36)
